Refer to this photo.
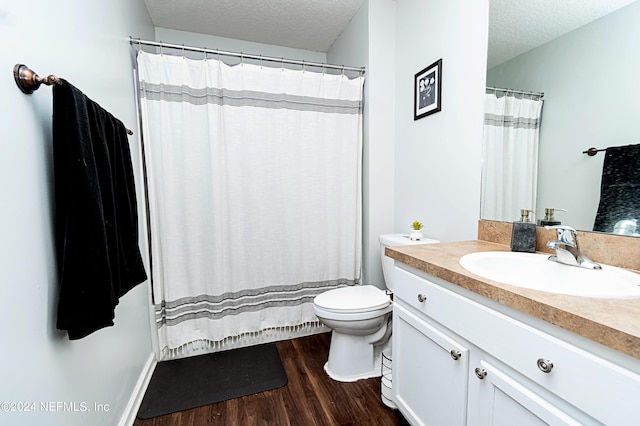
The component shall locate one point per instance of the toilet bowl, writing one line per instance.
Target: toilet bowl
(360, 319)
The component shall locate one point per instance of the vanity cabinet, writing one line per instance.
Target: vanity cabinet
(506, 371)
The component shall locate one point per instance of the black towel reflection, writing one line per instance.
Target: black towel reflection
(620, 187)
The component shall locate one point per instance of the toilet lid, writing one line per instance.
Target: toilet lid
(356, 298)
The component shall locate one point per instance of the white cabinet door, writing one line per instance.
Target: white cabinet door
(430, 372)
(497, 399)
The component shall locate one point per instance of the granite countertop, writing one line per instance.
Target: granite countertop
(611, 322)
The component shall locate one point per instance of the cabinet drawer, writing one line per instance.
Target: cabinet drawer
(438, 303)
(596, 386)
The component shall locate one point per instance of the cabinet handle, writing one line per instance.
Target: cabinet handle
(455, 354)
(481, 373)
(421, 298)
(545, 365)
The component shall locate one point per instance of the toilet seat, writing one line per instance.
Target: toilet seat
(353, 299)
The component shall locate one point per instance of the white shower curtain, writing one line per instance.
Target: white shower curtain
(254, 181)
(510, 156)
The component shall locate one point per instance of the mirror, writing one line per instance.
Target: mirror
(589, 77)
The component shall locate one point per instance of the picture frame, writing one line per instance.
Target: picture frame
(428, 90)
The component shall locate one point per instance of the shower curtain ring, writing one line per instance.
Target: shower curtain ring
(183, 50)
(260, 61)
(161, 47)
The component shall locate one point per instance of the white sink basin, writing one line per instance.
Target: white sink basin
(535, 271)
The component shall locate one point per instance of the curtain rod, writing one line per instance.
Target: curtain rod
(241, 55)
(521, 92)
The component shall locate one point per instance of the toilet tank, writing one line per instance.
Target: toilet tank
(394, 240)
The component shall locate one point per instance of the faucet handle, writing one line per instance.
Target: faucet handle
(566, 234)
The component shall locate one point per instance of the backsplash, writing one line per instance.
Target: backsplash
(609, 249)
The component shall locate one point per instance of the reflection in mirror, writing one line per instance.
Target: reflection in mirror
(590, 85)
(510, 153)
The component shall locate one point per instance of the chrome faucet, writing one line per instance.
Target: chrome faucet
(567, 250)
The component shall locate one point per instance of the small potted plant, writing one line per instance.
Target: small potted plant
(416, 231)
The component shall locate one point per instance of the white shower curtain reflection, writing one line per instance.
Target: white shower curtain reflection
(510, 156)
(255, 196)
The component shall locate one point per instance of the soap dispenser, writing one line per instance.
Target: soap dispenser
(523, 237)
(549, 220)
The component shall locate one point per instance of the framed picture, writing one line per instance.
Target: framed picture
(428, 90)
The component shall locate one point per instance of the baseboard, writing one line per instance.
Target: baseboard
(131, 410)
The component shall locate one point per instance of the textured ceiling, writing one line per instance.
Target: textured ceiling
(303, 24)
(515, 26)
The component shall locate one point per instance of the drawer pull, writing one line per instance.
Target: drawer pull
(455, 354)
(545, 365)
(481, 373)
(421, 298)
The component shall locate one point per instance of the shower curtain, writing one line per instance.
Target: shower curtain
(510, 156)
(254, 187)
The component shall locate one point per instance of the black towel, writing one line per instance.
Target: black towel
(620, 187)
(96, 213)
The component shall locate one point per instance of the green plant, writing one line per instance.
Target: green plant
(417, 225)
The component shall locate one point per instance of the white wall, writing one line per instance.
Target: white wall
(86, 43)
(437, 158)
(369, 41)
(590, 81)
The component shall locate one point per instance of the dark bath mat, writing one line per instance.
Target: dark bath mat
(186, 383)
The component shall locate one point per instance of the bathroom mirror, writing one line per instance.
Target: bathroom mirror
(589, 79)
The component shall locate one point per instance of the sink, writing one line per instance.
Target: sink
(534, 271)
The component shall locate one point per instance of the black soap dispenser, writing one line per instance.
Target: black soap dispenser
(549, 220)
(523, 237)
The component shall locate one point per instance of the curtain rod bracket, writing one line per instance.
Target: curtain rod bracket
(28, 81)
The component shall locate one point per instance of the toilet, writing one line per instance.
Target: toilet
(360, 319)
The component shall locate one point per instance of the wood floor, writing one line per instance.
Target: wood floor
(309, 398)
